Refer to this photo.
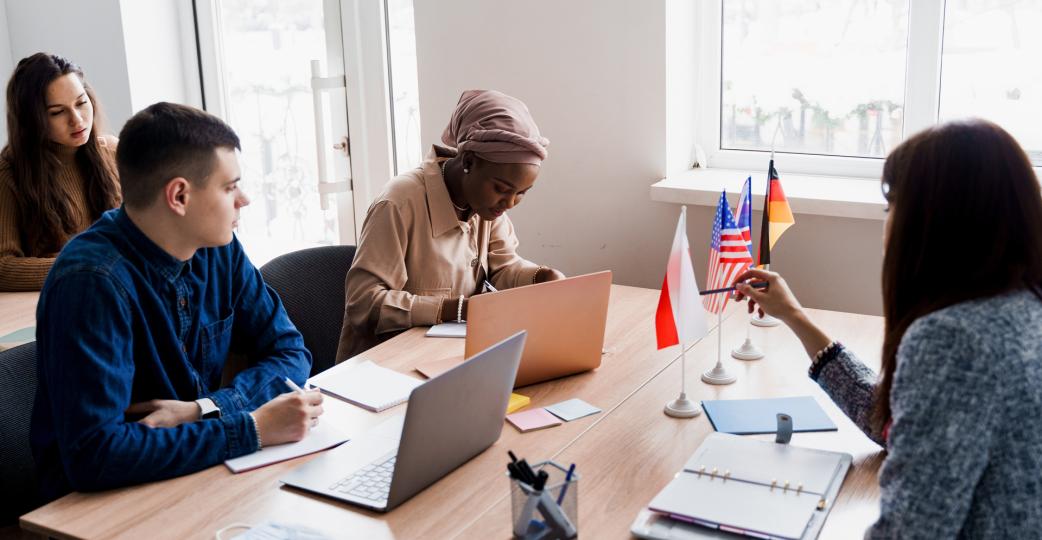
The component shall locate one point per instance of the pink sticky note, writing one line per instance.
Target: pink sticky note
(533, 419)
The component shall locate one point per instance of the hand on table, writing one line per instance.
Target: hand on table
(165, 412)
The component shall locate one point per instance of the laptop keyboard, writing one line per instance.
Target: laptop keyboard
(372, 482)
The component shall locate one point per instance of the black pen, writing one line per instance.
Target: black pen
(755, 285)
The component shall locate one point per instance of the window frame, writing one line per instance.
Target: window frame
(921, 106)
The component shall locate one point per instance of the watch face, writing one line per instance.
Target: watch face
(208, 409)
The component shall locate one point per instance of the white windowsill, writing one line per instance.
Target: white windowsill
(858, 198)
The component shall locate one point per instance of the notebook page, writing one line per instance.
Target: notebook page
(320, 437)
(740, 505)
(764, 461)
(368, 385)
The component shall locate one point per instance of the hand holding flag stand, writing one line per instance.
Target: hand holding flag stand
(680, 319)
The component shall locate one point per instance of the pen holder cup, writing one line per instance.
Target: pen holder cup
(527, 514)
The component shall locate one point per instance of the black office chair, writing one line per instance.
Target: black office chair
(17, 468)
(311, 285)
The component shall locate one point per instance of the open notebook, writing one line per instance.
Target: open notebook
(324, 435)
(754, 487)
(367, 385)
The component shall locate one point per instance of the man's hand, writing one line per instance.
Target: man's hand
(165, 412)
(288, 417)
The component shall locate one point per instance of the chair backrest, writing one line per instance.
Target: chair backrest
(17, 468)
(310, 283)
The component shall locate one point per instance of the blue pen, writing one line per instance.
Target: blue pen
(567, 478)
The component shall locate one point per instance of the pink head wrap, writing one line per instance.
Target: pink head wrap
(496, 127)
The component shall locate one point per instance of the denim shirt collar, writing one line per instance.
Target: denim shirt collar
(166, 264)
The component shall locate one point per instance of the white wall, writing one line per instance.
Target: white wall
(594, 74)
(6, 66)
(132, 51)
(155, 56)
(87, 33)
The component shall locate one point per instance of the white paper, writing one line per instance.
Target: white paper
(320, 437)
(449, 329)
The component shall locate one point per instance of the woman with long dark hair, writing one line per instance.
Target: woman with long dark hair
(57, 173)
(958, 404)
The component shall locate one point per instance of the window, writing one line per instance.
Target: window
(405, 99)
(288, 76)
(990, 66)
(260, 83)
(826, 77)
(837, 85)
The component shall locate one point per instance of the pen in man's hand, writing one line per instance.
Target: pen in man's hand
(293, 386)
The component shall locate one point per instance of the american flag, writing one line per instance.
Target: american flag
(728, 256)
(744, 213)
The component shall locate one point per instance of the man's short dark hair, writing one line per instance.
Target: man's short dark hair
(165, 141)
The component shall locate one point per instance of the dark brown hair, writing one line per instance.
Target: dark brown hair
(45, 218)
(166, 141)
(965, 223)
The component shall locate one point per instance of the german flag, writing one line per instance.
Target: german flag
(777, 216)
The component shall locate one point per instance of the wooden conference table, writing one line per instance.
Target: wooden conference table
(624, 454)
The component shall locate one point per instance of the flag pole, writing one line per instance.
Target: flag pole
(719, 374)
(765, 232)
(682, 407)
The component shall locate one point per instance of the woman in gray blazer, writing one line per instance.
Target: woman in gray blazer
(958, 405)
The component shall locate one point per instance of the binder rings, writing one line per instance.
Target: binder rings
(753, 487)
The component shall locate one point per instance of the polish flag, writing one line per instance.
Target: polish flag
(680, 317)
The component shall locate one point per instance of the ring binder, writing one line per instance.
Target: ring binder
(746, 500)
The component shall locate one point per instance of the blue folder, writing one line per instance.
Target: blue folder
(752, 416)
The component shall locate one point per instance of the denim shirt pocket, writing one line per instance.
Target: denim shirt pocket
(216, 339)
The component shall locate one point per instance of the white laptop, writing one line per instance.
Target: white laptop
(439, 432)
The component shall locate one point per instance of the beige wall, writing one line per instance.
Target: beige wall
(594, 74)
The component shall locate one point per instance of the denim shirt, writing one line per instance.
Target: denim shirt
(121, 321)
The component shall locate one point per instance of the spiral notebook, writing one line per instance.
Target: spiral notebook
(367, 385)
(757, 488)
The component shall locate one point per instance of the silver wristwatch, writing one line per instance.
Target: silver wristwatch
(208, 409)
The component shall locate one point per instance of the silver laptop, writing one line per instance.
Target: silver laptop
(450, 419)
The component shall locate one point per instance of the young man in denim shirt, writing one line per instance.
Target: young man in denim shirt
(139, 312)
